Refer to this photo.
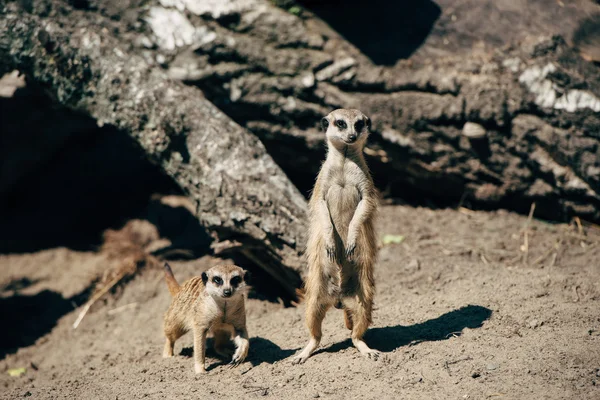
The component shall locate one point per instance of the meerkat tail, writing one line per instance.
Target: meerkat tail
(171, 281)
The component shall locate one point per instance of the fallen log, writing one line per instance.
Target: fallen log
(242, 197)
(500, 127)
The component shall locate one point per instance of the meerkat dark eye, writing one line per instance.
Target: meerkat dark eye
(236, 280)
(217, 281)
(341, 124)
(359, 125)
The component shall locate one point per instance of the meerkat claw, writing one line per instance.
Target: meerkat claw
(331, 253)
(236, 361)
(350, 251)
(298, 360)
(373, 355)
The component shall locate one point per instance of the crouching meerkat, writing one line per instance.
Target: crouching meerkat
(341, 247)
(212, 303)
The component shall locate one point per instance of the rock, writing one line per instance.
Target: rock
(534, 323)
(413, 266)
(491, 367)
(473, 131)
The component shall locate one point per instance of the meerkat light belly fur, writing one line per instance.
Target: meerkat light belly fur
(341, 248)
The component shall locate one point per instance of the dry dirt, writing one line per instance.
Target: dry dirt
(460, 315)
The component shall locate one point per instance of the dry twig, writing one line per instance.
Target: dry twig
(525, 246)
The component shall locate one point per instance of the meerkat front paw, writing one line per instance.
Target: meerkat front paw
(330, 253)
(239, 357)
(350, 249)
(330, 248)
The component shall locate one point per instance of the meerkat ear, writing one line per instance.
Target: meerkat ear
(324, 123)
(368, 122)
(247, 277)
(204, 278)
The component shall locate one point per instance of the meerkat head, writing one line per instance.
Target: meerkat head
(226, 281)
(345, 127)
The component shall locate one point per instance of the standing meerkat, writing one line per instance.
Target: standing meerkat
(212, 303)
(341, 247)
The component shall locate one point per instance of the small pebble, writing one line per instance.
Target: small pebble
(491, 367)
(473, 131)
(534, 323)
(413, 265)
(475, 374)
(316, 396)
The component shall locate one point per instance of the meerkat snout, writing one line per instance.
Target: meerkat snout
(349, 128)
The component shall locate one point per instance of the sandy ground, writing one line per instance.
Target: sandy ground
(459, 315)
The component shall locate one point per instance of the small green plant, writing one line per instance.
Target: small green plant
(295, 10)
(288, 5)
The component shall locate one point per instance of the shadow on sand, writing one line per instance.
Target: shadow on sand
(261, 351)
(29, 317)
(451, 324)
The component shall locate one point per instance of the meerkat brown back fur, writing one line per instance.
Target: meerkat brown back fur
(341, 248)
(212, 303)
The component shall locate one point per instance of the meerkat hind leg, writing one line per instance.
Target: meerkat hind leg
(168, 351)
(171, 335)
(348, 318)
(361, 319)
(315, 314)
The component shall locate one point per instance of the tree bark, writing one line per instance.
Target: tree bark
(243, 198)
(501, 127)
(497, 127)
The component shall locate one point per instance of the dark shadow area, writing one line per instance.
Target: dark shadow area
(445, 326)
(189, 239)
(262, 285)
(481, 147)
(385, 31)
(26, 318)
(188, 352)
(261, 351)
(264, 351)
(17, 284)
(64, 180)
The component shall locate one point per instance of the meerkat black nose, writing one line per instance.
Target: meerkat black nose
(352, 137)
(226, 292)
